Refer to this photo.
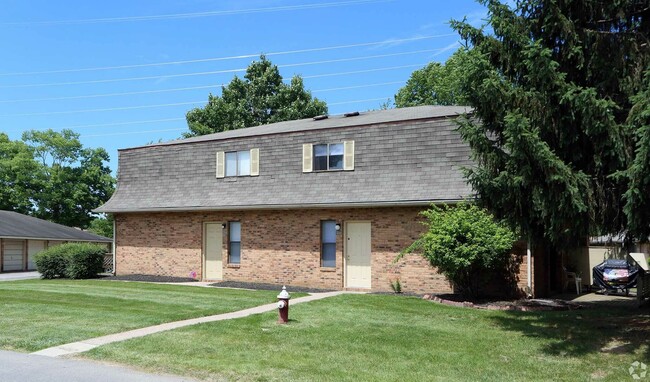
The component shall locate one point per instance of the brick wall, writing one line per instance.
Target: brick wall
(277, 246)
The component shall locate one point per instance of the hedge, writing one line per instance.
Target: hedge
(72, 260)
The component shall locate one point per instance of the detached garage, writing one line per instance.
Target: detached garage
(22, 237)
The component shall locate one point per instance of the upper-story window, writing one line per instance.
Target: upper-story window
(328, 156)
(238, 163)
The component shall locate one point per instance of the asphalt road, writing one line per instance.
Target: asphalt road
(20, 367)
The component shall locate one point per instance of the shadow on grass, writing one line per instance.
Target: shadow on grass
(598, 328)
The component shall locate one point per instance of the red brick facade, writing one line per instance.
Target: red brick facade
(278, 246)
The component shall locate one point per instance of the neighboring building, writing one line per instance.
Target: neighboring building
(325, 203)
(22, 237)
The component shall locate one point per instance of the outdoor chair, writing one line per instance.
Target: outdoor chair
(571, 277)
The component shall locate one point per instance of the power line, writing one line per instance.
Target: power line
(105, 109)
(358, 86)
(131, 132)
(172, 90)
(176, 16)
(110, 94)
(369, 57)
(73, 127)
(167, 130)
(198, 102)
(359, 101)
(384, 42)
(364, 71)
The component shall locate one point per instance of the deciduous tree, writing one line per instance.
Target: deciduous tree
(69, 181)
(261, 97)
(437, 84)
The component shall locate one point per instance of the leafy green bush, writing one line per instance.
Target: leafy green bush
(51, 263)
(85, 261)
(72, 260)
(465, 244)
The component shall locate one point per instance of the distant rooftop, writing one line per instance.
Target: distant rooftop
(18, 226)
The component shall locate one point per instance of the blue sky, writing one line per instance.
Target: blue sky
(123, 73)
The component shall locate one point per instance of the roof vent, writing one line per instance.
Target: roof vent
(352, 114)
(320, 117)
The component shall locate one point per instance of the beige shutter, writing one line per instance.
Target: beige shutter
(255, 162)
(307, 157)
(221, 165)
(348, 155)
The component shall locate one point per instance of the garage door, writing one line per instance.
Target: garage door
(34, 247)
(12, 259)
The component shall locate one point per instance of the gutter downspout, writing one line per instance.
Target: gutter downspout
(114, 234)
(529, 283)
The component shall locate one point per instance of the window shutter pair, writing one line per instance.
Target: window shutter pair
(308, 156)
(255, 163)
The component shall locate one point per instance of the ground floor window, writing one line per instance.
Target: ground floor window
(328, 243)
(234, 243)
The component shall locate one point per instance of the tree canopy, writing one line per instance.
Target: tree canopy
(437, 84)
(261, 97)
(50, 175)
(560, 134)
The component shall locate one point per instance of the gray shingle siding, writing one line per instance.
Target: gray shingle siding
(401, 161)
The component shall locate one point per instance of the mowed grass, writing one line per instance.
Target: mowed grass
(36, 314)
(391, 338)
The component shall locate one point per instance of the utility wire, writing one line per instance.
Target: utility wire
(88, 96)
(176, 16)
(182, 62)
(166, 130)
(369, 57)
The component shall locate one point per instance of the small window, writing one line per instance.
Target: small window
(238, 163)
(328, 157)
(234, 243)
(328, 244)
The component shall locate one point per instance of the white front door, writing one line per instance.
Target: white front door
(357, 255)
(212, 247)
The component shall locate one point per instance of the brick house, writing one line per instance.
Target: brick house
(325, 203)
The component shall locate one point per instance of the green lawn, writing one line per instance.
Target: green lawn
(36, 314)
(392, 338)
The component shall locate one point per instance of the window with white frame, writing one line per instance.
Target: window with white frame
(328, 244)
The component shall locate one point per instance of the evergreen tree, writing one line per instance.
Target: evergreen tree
(559, 107)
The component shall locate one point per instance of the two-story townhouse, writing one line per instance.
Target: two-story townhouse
(324, 202)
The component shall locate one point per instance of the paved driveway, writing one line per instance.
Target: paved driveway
(20, 367)
(19, 276)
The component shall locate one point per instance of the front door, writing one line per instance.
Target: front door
(212, 247)
(357, 255)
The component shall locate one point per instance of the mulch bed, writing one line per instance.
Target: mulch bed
(524, 305)
(261, 286)
(151, 278)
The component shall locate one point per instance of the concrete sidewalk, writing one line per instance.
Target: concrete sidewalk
(85, 345)
(20, 367)
(19, 276)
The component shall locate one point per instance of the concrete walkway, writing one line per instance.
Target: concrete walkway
(19, 367)
(19, 276)
(85, 345)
